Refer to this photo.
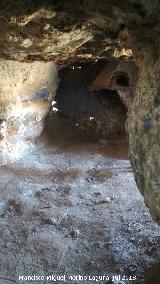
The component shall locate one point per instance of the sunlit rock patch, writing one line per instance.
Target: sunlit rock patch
(25, 97)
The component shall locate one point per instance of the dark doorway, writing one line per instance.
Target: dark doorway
(95, 114)
(121, 79)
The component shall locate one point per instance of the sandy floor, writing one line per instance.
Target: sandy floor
(74, 209)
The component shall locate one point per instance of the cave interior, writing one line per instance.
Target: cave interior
(79, 142)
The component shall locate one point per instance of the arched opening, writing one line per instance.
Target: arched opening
(97, 114)
(120, 79)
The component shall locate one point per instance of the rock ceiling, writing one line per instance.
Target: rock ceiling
(58, 30)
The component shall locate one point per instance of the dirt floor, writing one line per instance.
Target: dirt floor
(72, 208)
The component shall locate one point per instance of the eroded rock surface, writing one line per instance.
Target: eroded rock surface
(144, 136)
(56, 30)
(25, 97)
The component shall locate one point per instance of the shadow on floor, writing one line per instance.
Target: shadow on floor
(58, 132)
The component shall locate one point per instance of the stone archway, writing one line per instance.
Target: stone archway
(120, 79)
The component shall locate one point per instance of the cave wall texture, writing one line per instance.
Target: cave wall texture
(144, 135)
(56, 30)
(26, 91)
(62, 31)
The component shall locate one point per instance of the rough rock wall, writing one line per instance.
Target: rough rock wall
(26, 91)
(56, 30)
(144, 134)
